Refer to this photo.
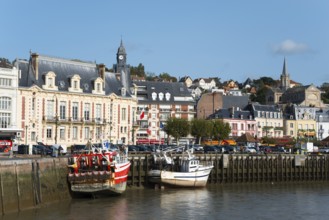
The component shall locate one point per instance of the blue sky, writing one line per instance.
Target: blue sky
(214, 38)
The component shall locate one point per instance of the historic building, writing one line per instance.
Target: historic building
(158, 101)
(269, 119)
(290, 92)
(71, 101)
(300, 122)
(209, 103)
(9, 128)
(240, 121)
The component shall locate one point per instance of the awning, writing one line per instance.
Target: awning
(228, 142)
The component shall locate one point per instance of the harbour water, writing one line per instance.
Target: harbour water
(248, 201)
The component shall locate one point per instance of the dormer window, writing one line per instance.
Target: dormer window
(161, 96)
(50, 81)
(75, 83)
(98, 86)
(154, 96)
(167, 96)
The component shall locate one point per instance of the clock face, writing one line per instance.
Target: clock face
(120, 57)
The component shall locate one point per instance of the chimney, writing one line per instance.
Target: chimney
(35, 64)
(101, 72)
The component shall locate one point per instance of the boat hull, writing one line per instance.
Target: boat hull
(101, 181)
(187, 179)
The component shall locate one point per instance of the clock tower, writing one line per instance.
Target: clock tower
(121, 58)
(122, 68)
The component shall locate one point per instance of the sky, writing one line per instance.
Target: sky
(212, 38)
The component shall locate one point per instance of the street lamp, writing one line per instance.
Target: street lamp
(110, 123)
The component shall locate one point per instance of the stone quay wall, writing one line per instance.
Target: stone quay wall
(32, 183)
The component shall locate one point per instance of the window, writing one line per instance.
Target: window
(75, 107)
(123, 115)
(153, 123)
(242, 126)
(33, 136)
(291, 133)
(62, 133)
(49, 132)
(75, 84)
(153, 115)
(98, 89)
(87, 112)
(87, 132)
(98, 132)
(234, 126)
(75, 133)
(98, 112)
(5, 121)
(5, 82)
(50, 109)
(50, 82)
(5, 103)
(62, 108)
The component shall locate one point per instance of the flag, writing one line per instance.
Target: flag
(141, 116)
(161, 125)
(148, 131)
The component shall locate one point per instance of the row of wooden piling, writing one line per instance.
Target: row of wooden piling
(244, 168)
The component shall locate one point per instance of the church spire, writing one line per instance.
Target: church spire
(284, 70)
(285, 79)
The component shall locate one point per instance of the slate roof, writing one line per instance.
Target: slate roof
(176, 89)
(235, 101)
(227, 113)
(64, 70)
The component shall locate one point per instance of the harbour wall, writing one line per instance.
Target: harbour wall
(244, 168)
(32, 183)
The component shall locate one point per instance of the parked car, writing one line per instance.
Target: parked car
(41, 150)
(229, 149)
(196, 148)
(250, 150)
(132, 148)
(210, 149)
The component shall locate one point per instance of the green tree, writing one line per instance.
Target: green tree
(325, 93)
(150, 76)
(200, 128)
(177, 127)
(168, 77)
(139, 70)
(221, 130)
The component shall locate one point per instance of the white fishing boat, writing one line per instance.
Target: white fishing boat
(187, 172)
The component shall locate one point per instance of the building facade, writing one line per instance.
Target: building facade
(71, 102)
(158, 101)
(10, 131)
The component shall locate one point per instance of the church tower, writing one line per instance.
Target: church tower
(284, 78)
(123, 69)
(121, 58)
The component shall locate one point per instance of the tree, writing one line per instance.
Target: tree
(221, 130)
(200, 128)
(150, 76)
(167, 77)
(177, 127)
(138, 71)
(325, 94)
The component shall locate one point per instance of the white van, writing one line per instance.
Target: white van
(63, 150)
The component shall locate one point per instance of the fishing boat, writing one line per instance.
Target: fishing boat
(98, 171)
(187, 171)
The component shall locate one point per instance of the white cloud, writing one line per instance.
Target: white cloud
(290, 47)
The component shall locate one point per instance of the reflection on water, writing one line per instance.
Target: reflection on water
(257, 201)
